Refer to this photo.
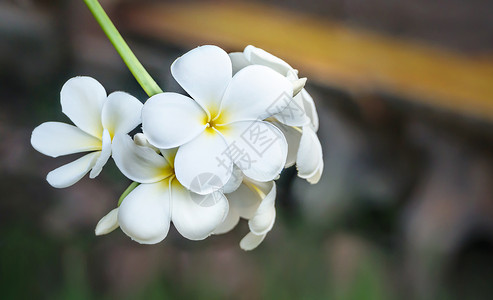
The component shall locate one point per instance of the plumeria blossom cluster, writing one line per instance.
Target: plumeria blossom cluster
(203, 160)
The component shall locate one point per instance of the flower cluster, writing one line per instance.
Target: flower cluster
(202, 161)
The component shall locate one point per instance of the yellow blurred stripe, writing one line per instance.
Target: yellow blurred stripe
(326, 52)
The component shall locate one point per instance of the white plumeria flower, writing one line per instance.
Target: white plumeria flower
(97, 117)
(226, 112)
(299, 121)
(254, 201)
(146, 212)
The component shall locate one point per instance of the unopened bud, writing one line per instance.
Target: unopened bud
(108, 223)
(298, 85)
(141, 140)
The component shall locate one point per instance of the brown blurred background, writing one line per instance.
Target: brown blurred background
(404, 210)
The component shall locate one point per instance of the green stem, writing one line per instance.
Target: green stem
(127, 191)
(145, 80)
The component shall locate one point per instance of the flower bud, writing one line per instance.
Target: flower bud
(108, 223)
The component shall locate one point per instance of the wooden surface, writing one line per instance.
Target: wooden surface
(327, 53)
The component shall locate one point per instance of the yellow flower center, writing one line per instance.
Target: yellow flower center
(215, 121)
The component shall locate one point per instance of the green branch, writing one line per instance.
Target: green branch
(130, 188)
(145, 80)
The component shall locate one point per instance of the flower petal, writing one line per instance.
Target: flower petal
(204, 73)
(170, 120)
(169, 155)
(255, 93)
(139, 163)
(245, 200)
(108, 223)
(229, 223)
(55, 139)
(293, 136)
(251, 241)
(310, 109)
(234, 181)
(309, 161)
(70, 173)
(196, 216)
(82, 100)
(265, 215)
(103, 158)
(261, 57)
(145, 213)
(261, 148)
(315, 178)
(121, 113)
(238, 60)
(203, 165)
(294, 114)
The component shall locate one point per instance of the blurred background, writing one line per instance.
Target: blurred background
(404, 210)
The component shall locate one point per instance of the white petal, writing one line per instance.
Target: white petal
(229, 223)
(294, 114)
(203, 165)
(55, 139)
(261, 57)
(309, 161)
(245, 200)
(169, 155)
(310, 109)
(121, 113)
(197, 216)
(145, 213)
(255, 93)
(204, 73)
(292, 75)
(293, 137)
(82, 100)
(315, 178)
(234, 181)
(139, 163)
(108, 223)
(105, 155)
(251, 241)
(238, 60)
(265, 215)
(70, 173)
(170, 120)
(261, 148)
